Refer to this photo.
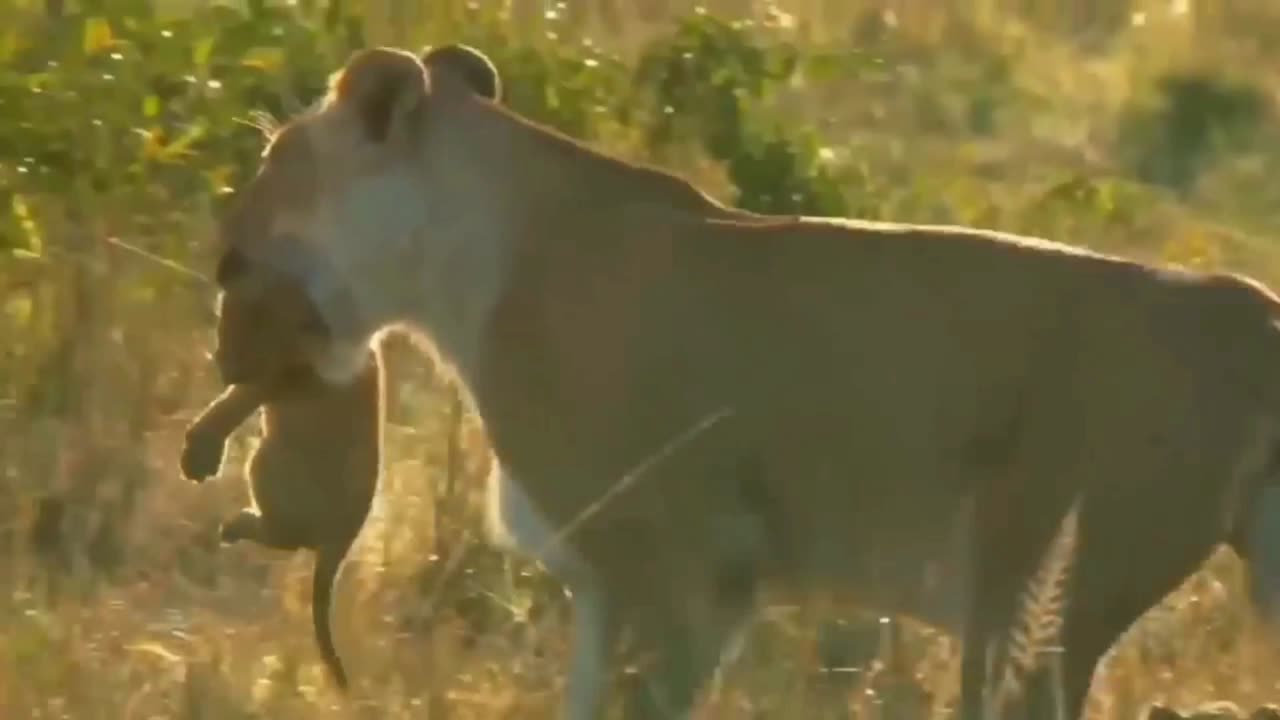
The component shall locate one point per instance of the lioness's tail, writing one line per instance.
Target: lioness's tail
(329, 558)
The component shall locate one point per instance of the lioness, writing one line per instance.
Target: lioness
(904, 413)
(312, 477)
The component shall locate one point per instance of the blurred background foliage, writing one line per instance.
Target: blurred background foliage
(1145, 127)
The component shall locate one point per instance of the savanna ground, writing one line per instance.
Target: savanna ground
(1147, 127)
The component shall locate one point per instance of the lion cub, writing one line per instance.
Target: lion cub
(312, 477)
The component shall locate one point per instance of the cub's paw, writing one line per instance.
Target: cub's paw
(246, 525)
(201, 456)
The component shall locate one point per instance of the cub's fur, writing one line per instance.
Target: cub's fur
(312, 477)
(902, 414)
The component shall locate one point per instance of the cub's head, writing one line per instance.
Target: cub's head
(342, 199)
(268, 329)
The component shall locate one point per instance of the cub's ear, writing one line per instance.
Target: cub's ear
(466, 64)
(384, 87)
(231, 265)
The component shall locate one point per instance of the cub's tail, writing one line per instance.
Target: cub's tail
(329, 559)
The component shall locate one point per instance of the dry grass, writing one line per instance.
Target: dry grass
(190, 631)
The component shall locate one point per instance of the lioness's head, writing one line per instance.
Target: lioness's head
(343, 195)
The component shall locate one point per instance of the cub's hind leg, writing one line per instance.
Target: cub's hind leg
(263, 530)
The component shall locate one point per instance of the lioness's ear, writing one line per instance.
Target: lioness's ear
(465, 63)
(384, 87)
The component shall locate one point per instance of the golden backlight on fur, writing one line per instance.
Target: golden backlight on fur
(911, 410)
(312, 477)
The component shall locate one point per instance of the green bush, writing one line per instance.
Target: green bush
(1194, 118)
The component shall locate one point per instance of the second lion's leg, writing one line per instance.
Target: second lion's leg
(678, 659)
(684, 631)
(1018, 515)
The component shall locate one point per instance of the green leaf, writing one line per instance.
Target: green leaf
(18, 307)
(97, 35)
(181, 147)
(10, 42)
(333, 15)
(35, 242)
(268, 59)
(202, 51)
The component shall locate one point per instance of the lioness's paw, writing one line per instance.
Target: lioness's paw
(201, 456)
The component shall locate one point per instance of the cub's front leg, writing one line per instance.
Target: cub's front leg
(202, 454)
(206, 438)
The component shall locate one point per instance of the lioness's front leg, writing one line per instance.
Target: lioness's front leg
(591, 659)
(1260, 549)
(207, 435)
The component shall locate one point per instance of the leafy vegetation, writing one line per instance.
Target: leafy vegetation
(1142, 127)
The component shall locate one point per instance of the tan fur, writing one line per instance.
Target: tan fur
(468, 65)
(908, 412)
(312, 477)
